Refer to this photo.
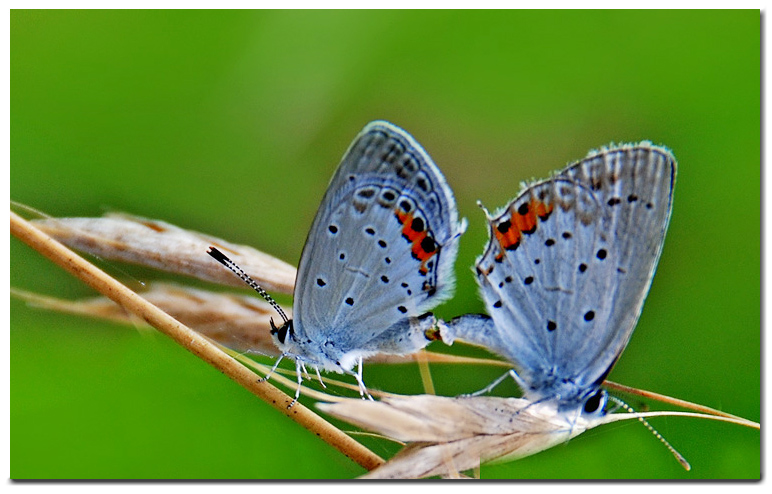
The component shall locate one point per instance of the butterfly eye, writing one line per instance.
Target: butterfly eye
(281, 332)
(595, 403)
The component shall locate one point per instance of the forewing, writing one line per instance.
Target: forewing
(383, 243)
(570, 261)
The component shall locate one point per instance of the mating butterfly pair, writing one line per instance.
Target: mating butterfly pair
(563, 277)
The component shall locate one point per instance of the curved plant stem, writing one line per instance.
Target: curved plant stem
(189, 339)
(678, 402)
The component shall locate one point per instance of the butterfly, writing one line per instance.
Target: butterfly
(566, 270)
(380, 254)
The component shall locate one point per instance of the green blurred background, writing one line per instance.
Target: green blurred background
(232, 123)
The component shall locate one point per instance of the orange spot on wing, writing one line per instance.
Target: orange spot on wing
(418, 251)
(542, 210)
(512, 237)
(525, 222)
(415, 238)
(405, 219)
(510, 232)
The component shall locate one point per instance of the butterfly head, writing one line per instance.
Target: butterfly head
(281, 333)
(571, 397)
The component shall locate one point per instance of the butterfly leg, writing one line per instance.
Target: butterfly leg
(358, 375)
(298, 371)
(265, 377)
(318, 375)
(305, 371)
(510, 373)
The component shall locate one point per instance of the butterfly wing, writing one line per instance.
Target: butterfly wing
(381, 248)
(568, 266)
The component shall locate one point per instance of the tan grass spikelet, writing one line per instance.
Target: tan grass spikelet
(163, 246)
(239, 322)
(460, 433)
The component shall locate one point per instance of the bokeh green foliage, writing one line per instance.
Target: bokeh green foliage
(231, 123)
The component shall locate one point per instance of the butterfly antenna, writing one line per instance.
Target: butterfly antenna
(485, 210)
(225, 261)
(675, 453)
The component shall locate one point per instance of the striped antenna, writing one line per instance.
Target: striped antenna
(675, 453)
(223, 259)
